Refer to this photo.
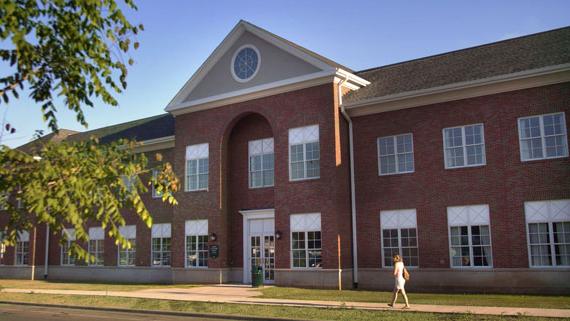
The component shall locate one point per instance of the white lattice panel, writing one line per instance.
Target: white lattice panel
(69, 233)
(303, 135)
(161, 230)
(197, 151)
(196, 227)
(547, 211)
(261, 146)
(398, 219)
(305, 222)
(24, 236)
(468, 215)
(96, 233)
(128, 231)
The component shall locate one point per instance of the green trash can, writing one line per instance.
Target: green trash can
(256, 276)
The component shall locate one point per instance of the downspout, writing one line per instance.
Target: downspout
(352, 186)
(46, 252)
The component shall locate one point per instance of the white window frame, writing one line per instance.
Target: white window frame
(264, 142)
(542, 136)
(550, 219)
(309, 223)
(155, 194)
(464, 146)
(396, 154)
(232, 61)
(195, 229)
(160, 231)
(70, 232)
(21, 244)
(304, 141)
(96, 234)
(196, 153)
(470, 221)
(399, 225)
(129, 232)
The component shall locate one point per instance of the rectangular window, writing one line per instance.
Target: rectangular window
(304, 153)
(395, 154)
(66, 257)
(127, 255)
(197, 167)
(196, 232)
(97, 245)
(399, 236)
(469, 236)
(548, 227)
(543, 137)
(23, 248)
(155, 193)
(161, 244)
(306, 248)
(261, 159)
(464, 146)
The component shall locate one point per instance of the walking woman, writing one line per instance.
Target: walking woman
(400, 281)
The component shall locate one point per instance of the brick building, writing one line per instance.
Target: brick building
(318, 173)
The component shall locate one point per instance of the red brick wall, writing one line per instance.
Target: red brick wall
(504, 182)
(161, 213)
(304, 107)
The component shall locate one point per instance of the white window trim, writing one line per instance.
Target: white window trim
(304, 178)
(464, 146)
(161, 266)
(249, 172)
(186, 265)
(70, 239)
(542, 136)
(17, 252)
(62, 255)
(449, 226)
(155, 194)
(398, 172)
(186, 159)
(119, 249)
(98, 251)
(238, 79)
(306, 231)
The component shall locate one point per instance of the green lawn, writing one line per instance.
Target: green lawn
(502, 300)
(332, 314)
(57, 285)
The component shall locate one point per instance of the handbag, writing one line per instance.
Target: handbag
(406, 274)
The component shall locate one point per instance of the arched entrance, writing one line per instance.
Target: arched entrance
(249, 196)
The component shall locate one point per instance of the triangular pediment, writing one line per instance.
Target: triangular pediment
(279, 63)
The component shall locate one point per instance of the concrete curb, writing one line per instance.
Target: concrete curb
(156, 312)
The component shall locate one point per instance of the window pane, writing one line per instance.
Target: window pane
(386, 146)
(297, 153)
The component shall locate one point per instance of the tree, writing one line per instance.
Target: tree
(72, 49)
(68, 48)
(72, 184)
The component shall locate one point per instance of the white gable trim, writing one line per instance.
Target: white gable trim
(178, 103)
(259, 91)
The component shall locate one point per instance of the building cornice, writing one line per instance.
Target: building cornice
(155, 144)
(470, 89)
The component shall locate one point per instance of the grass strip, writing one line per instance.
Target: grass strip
(496, 300)
(299, 313)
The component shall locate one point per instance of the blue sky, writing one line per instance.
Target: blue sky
(179, 36)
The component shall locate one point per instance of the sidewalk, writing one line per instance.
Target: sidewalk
(239, 294)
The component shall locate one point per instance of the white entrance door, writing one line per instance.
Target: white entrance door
(259, 244)
(262, 247)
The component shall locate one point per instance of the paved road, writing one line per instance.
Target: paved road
(9, 312)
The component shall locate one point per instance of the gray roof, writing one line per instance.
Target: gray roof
(538, 50)
(139, 130)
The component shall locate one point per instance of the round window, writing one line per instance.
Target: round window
(245, 63)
